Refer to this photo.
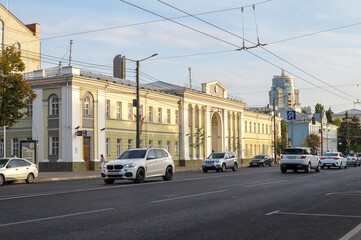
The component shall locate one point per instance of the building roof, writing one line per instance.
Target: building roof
(352, 112)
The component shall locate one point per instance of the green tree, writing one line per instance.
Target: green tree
(313, 141)
(354, 133)
(282, 141)
(329, 116)
(337, 122)
(15, 92)
(318, 108)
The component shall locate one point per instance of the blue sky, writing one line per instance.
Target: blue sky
(332, 57)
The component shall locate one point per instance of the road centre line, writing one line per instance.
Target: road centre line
(13, 197)
(265, 183)
(354, 193)
(190, 196)
(278, 212)
(55, 217)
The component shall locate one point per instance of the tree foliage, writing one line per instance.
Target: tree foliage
(337, 122)
(354, 134)
(313, 141)
(15, 92)
(329, 116)
(318, 108)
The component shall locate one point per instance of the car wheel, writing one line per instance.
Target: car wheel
(30, 178)
(139, 177)
(235, 166)
(340, 166)
(283, 170)
(318, 168)
(2, 180)
(223, 167)
(109, 181)
(168, 174)
(262, 164)
(322, 167)
(205, 170)
(346, 165)
(308, 169)
(270, 164)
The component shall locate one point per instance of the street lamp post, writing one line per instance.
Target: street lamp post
(137, 100)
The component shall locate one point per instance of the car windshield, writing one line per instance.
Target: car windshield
(3, 162)
(216, 155)
(258, 157)
(331, 154)
(293, 151)
(133, 154)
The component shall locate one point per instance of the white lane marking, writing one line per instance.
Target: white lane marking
(312, 214)
(190, 196)
(315, 175)
(3, 198)
(351, 233)
(265, 183)
(355, 193)
(55, 217)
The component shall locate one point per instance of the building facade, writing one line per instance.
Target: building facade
(190, 123)
(25, 38)
(284, 92)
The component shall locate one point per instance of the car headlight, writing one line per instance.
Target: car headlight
(129, 165)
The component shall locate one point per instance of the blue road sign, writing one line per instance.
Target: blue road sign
(291, 115)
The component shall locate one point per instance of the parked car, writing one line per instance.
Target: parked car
(299, 158)
(358, 155)
(138, 164)
(12, 169)
(333, 159)
(220, 161)
(353, 160)
(261, 160)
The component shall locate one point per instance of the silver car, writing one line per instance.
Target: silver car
(353, 160)
(12, 169)
(220, 161)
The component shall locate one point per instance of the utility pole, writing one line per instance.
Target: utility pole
(321, 134)
(348, 135)
(71, 43)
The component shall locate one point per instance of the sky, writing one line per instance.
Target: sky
(326, 65)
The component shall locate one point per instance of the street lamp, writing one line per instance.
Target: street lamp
(137, 100)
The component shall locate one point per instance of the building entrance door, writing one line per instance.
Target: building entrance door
(86, 151)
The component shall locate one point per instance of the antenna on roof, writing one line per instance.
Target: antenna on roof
(190, 76)
(71, 43)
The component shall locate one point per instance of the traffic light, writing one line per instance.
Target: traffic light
(313, 120)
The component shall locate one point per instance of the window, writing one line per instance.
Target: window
(263, 128)
(119, 147)
(177, 148)
(15, 146)
(246, 148)
(245, 126)
(160, 144)
(255, 149)
(160, 115)
(119, 110)
(259, 128)
(86, 106)
(169, 149)
(150, 143)
(30, 108)
(130, 111)
(53, 105)
(108, 109)
(150, 114)
(1, 34)
(1, 147)
(250, 149)
(176, 116)
(254, 128)
(53, 145)
(130, 143)
(17, 46)
(107, 146)
(168, 116)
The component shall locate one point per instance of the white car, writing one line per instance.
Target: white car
(299, 158)
(12, 169)
(333, 159)
(220, 161)
(138, 164)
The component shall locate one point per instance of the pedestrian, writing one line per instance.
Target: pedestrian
(102, 160)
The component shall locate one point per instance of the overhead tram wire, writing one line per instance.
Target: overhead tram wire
(231, 45)
(148, 22)
(258, 45)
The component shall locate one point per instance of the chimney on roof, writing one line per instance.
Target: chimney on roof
(34, 27)
(119, 66)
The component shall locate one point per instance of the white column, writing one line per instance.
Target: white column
(184, 145)
(241, 135)
(225, 141)
(101, 124)
(77, 144)
(38, 124)
(66, 130)
(208, 128)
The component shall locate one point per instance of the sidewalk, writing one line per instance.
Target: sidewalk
(63, 176)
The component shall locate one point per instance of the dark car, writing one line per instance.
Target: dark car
(261, 160)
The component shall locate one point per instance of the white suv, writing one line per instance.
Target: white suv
(138, 164)
(300, 158)
(220, 161)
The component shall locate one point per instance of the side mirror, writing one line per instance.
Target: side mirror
(8, 166)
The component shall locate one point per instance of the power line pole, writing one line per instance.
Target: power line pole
(71, 43)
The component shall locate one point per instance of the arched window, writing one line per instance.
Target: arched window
(53, 105)
(86, 106)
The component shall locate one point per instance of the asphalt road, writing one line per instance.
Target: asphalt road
(252, 203)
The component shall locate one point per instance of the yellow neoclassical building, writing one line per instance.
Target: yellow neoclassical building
(23, 37)
(190, 123)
